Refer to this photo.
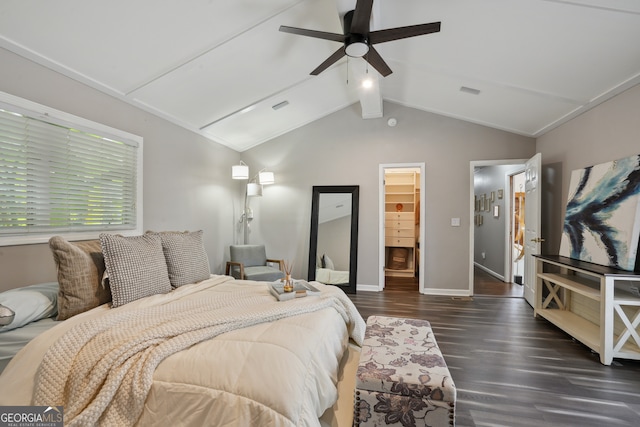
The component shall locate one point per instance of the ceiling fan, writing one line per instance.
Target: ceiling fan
(358, 40)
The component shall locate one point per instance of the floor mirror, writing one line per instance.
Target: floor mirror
(333, 251)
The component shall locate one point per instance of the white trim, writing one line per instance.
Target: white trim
(447, 292)
(381, 246)
(489, 271)
(367, 288)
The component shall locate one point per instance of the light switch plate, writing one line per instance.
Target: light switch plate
(455, 222)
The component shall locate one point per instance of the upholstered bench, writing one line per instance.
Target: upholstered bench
(402, 378)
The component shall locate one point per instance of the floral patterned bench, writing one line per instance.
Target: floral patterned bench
(402, 378)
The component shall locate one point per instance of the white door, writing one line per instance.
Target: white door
(532, 237)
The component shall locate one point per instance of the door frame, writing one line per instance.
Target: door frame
(472, 229)
(381, 243)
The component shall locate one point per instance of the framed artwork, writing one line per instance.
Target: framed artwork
(602, 221)
(496, 211)
(500, 194)
(493, 196)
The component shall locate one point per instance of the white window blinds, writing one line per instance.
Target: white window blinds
(56, 178)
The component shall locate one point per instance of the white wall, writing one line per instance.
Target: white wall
(609, 131)
(344, 149)
(187, 183)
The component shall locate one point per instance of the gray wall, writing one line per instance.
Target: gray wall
(344, 149)
(187, 183)
(610, 131)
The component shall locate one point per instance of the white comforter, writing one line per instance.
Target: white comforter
(280, 373)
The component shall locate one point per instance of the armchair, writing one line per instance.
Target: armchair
(250, 262)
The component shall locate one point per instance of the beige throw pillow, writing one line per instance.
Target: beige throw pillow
(80, 268)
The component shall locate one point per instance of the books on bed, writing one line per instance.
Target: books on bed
(301, 288)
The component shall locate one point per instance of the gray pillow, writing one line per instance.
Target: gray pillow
(136, 267)
(187, 260)
(6, 315)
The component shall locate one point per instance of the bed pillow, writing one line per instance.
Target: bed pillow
(80, 269)
(136, 267)
(28, 304)
(186, 258)
(327, 262)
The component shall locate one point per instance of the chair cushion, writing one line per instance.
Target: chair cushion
(249, 255)
(263, 273)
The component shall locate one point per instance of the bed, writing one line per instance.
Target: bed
(217, 351)
(332, 277)
(326, 272)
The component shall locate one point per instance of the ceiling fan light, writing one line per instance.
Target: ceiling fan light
(357, 49)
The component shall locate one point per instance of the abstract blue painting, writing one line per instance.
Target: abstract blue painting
(602, 220)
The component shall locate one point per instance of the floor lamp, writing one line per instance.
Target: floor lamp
(252, 189)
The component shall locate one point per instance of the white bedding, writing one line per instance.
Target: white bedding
(280, 373)
(332, 277)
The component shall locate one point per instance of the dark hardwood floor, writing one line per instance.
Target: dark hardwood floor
(511, 369)
(484, 284)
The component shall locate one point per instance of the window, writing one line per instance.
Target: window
(64, 175)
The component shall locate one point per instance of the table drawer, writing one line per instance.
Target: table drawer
(399, 241)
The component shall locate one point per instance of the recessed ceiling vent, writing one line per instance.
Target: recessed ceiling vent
(280, 105)
(470, 90)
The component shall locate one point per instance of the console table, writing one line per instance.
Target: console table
(614, 330)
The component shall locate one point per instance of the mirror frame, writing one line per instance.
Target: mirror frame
(354, 190)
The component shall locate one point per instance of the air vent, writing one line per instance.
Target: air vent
(280, 105)
(470, 90)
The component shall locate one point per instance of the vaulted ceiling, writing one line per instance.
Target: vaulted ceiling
(218, 67)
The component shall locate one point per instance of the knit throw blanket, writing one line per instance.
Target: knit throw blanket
(102, 370)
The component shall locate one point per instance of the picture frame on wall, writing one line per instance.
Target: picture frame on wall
(496, 211)
(500, 194)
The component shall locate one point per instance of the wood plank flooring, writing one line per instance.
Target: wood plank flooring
(511, 369)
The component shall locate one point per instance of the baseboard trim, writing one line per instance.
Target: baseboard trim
(447, 292)
(368, 288)
(489, 271)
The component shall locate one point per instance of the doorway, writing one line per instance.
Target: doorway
(401, 213)
(493, 229)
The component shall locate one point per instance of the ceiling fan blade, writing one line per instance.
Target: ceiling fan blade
(313, 33)
(398, 33)
(376, 61)
(361, 17)
(329, 61)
